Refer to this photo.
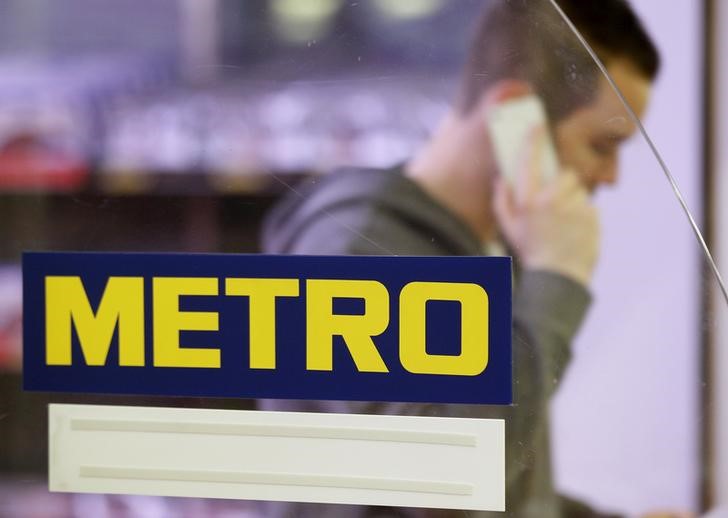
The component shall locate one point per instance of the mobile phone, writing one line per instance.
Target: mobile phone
(511, 124)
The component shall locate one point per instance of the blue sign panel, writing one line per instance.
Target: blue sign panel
(427, 329)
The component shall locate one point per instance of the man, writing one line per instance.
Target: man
(450, 200)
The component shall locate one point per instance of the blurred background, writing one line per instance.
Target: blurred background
(173, 125)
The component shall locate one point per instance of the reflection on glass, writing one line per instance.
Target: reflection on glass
(108, 142)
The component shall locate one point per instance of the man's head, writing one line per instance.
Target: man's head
(527, 41)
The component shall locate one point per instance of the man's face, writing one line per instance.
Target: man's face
(589, 138)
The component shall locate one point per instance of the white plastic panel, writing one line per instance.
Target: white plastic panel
(280, 456)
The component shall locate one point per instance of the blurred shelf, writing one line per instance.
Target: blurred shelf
(190, 183)
(239, 136)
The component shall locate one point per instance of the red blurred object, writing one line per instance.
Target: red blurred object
(10, 345)
(28, 162)
(11, 318)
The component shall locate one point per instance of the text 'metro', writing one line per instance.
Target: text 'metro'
(430, 329)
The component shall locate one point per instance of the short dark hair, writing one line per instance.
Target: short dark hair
(528, 40)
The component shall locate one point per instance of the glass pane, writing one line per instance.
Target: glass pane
(426, 127)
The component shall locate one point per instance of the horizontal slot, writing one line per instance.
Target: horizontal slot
(279, 479)
(310, 432)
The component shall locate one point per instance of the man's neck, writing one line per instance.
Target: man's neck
(454, 168)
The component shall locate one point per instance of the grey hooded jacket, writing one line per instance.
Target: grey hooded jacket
(382, 212)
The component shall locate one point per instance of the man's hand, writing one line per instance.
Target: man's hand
(550, 225)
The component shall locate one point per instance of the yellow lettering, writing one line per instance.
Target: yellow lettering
(473, 357)
(122, 304)
(263, 294)
(169, 321)
(357, 330)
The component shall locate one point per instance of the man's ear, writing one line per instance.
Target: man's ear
(501, 91)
